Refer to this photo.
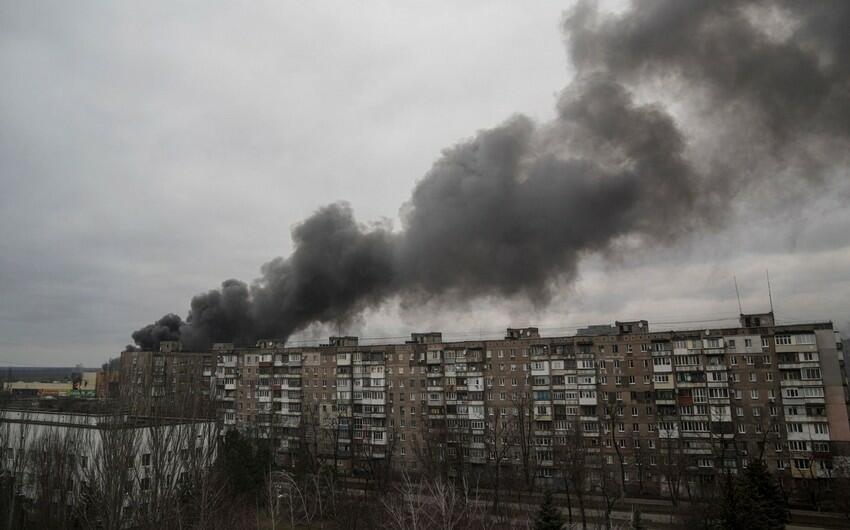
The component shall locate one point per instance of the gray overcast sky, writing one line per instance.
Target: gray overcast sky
(149, 151)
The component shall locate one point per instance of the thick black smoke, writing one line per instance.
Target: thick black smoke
(678, 109)
(166, 328)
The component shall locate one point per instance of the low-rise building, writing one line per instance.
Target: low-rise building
(115, 462)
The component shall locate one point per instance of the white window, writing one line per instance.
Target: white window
(806, 339)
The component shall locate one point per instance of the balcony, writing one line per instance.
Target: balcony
(664, 385)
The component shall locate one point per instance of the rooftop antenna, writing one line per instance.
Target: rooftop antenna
(769, 293)
(738, 293)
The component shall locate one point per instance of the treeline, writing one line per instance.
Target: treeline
(145, 468)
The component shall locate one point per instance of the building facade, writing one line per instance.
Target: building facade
(168, 379)
(76, 469)
(623, 402)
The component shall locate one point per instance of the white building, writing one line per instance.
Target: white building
(117, 463)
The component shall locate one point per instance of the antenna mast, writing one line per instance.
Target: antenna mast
(769, 293)
(738, 293)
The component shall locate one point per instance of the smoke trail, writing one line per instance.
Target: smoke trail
(752, 100)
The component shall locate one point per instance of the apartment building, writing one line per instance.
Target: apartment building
(635, 405)
(168, 377)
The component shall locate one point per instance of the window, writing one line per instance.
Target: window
(797, 445)
(754, 394)
(811, 373)
(783, 340)
(748, 342)
(806, 339)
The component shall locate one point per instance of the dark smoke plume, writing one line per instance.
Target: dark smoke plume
(677, 109)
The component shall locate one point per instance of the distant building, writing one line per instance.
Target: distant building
(108, 384)
(81, 386)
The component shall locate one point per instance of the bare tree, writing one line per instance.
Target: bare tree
(573, 459)
(15, 433)
(112, 474)
(53, 467)
(434, 504)
(430, 446)
(524, 428)
(500, 438)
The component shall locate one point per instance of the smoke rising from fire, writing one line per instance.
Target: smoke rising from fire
(678, 109)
